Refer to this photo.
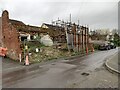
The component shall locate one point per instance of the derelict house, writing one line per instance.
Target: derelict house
(13, 34)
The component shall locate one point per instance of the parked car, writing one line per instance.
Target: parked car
(104, 46)
(112, 45)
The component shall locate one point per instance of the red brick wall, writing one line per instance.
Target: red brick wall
(10, 37)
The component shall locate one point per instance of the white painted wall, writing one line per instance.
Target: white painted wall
(46, 40)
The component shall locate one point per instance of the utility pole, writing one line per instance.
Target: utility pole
(70, 17)
(78, 22)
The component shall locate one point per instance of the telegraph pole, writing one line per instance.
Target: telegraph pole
(70, 18)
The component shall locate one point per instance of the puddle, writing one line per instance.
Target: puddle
(85, 74)
(53, 64)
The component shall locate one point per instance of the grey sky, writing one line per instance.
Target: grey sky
(95, 13)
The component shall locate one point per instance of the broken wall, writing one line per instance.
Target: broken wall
(10, 37)
(0, 31)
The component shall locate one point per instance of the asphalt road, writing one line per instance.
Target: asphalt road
(80, 72)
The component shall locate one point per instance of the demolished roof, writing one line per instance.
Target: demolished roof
(16, 22)
(20, 26)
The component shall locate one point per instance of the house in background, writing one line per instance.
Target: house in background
(103, 34)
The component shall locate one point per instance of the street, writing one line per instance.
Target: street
(81, 72)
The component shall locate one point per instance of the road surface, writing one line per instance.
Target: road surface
(80, 72)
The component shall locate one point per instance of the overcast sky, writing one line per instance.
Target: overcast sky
(95, 13)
